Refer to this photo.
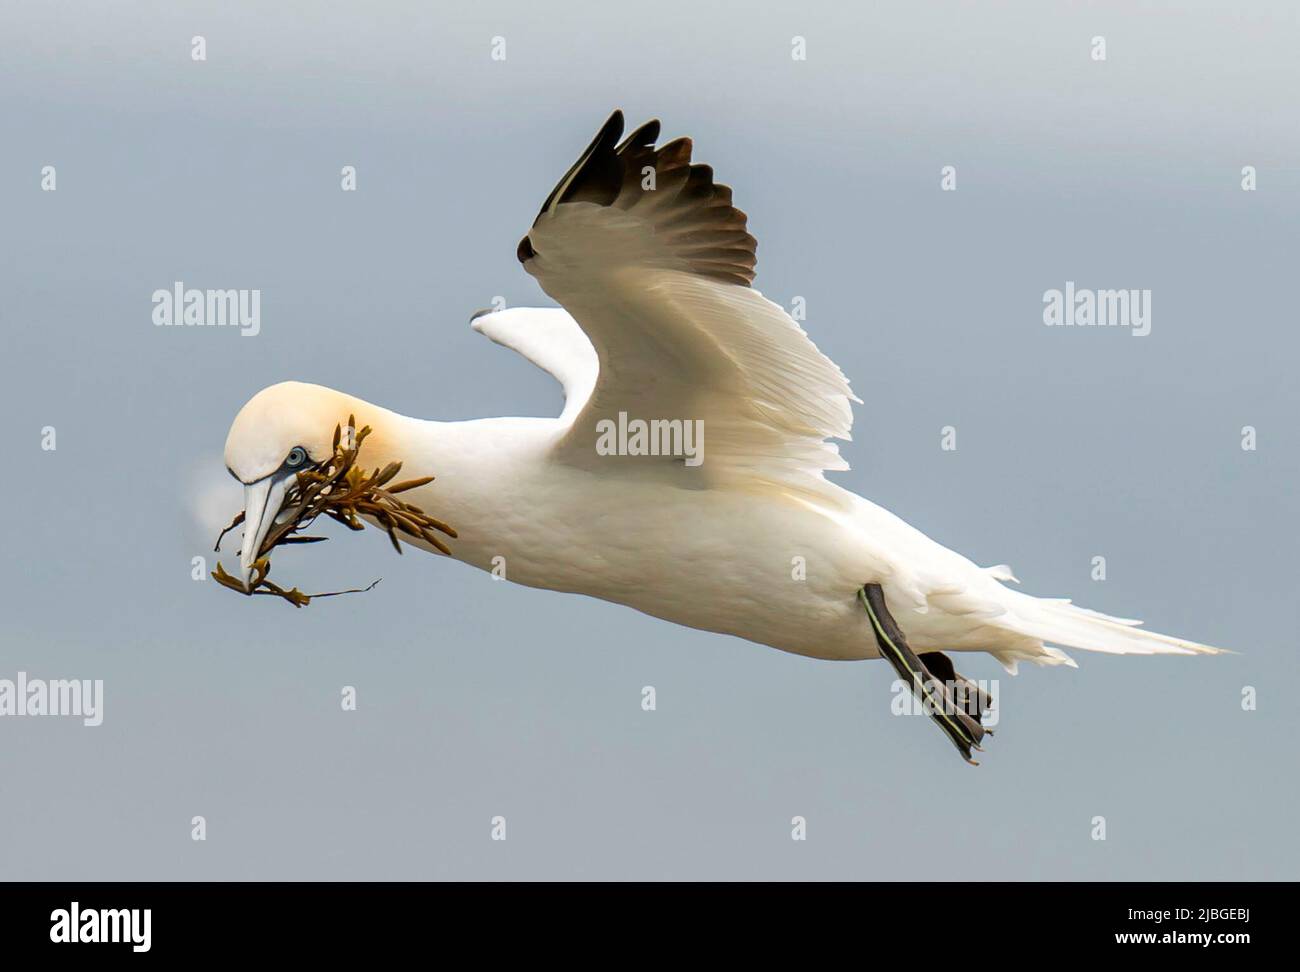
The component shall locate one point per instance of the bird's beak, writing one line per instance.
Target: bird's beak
(262, 501)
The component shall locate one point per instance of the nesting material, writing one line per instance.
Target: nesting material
(341, 490)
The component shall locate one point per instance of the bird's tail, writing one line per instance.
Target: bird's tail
(1046, 623)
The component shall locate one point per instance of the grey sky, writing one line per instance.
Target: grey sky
(479, 699)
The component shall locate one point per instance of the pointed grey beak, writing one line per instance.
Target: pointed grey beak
(262, 501)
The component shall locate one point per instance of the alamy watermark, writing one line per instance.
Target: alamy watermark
(1079, 307)
(977, 699)
(131, 926)
(191, 307)
(25, 696)
(656, 437)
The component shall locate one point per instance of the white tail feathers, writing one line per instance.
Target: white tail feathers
(1058, 622)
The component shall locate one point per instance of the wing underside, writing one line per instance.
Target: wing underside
(651, 258)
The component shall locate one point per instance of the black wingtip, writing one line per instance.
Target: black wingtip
(598, 173)
(645, 136)
(612, 129)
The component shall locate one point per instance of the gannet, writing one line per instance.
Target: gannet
(660, 333)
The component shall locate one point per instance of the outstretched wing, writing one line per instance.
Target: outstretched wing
(550, 339)
(654, 262)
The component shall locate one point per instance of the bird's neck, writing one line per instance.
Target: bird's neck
(481, 469)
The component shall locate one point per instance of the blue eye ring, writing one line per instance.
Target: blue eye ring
(297, 456)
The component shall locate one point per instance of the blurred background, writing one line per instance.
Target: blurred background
(478, 699)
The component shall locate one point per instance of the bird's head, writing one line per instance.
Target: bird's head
(282, 431)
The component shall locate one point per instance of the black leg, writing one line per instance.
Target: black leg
(972, 699)
(933, 691)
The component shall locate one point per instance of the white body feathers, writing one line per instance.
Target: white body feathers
(770, 552)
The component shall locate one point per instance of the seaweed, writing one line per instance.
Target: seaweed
(340, 489)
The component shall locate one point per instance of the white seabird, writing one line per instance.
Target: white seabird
(660, 323)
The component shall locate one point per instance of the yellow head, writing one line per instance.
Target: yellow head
(283, 430)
